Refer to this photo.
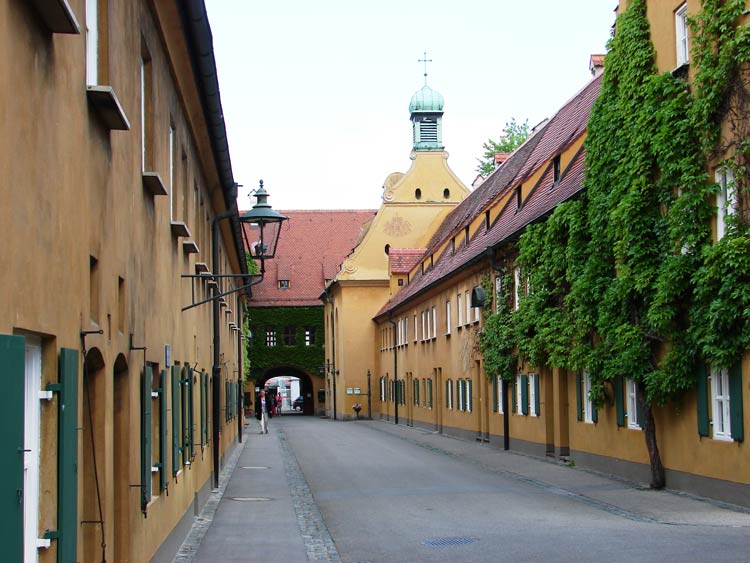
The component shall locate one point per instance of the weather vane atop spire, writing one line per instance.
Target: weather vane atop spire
(425, 61)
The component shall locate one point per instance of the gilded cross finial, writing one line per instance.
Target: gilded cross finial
(425, 61)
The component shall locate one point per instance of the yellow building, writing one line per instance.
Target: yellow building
(116, 164)
(430, 370)
(414, 206)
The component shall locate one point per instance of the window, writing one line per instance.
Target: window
(517, 290)
(290, 335)
(519, 197)
(533, 397)
(459, 310)
(447, 317)
(498, 291)
(460, 393)
(283, 284)
(519, 394)
(270, 336)
(434, 321)
(469, 403)
(681, 30)
(382, 389)
(428, 394)
(94, 289)
(631, 388)
(400, 282)
(416, 329)
(92, 42)
(146, 112)
(406, 330)
(309, 336)
(416, 392)
(467, 297)
(499, 398)
(588, 407)
(449, 394)
(424, 328)
(721, 415)
(726, 200)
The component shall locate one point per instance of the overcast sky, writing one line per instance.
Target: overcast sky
(316, 94)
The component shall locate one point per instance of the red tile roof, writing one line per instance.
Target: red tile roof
(557, 134)
(402, 260)
(312, 245)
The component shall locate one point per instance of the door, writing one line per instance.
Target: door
(32, 386)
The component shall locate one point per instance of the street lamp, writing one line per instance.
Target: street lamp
(262, 216)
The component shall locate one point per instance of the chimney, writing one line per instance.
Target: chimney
(501, 157)
(596, 65)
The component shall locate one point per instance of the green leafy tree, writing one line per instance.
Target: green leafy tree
(512, 137)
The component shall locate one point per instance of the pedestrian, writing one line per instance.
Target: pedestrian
(278, 404)
(263, 411)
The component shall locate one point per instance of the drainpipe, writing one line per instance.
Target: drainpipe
(395, 369)
(240, 375)
(506, 418)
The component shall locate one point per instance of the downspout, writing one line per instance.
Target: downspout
(395, 369)
(240, 375)
(329, 300)
(489, 251)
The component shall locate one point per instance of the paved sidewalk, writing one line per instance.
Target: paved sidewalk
(617, 496)
(263, 510)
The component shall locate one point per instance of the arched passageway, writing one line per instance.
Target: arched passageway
(312, 401)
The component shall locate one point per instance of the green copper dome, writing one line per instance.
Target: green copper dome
(426, 100)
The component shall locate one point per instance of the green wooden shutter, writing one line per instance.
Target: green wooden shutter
(67, 457)
(226, 401)
(537, 399)
(190, 416)
(579, 398)
(184, 389)
(163, 430)
(146, 429)
(735, 401)
(176, 423)
(620, 402)
(203, 407)
(524, 394)
(429, 392)
(701, 397)
(640, 404)
(494, 395)
(594, 413)
(447, 393)
(515, 394)
(12, 367)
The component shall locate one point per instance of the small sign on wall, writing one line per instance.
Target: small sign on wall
(167, 355)
(357, 391)
(349, 391)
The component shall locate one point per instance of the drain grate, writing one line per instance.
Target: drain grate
(446, 542)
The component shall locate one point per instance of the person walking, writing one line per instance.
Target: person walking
(263, 411)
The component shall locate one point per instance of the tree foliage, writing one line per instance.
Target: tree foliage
(512, 137)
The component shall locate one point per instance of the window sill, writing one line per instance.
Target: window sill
(104, 99)
(681, 70)
(179, 229)
(189, 247)
(153, 184)
(201, 268)
(720, 438)
(57, 16)
(634, 427)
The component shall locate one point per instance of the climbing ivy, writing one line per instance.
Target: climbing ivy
(497, 340)
(626, 279)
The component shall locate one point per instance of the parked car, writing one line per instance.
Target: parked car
(298, 404)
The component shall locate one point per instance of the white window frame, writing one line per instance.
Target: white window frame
(31, 457)
(726, 199)
(588, 407)
(434, 322)
(450, 394)
(681, 35)
(532, 394)
(447, 317)
(517, 287)
(498, 291)
(467, 296)
(424, 332)
(631, 391)
(461, 395)
(406, 330)
(92, 42)
(721, 417)
(382, 389)
(469, 400)
(499, 385)
(416, 330)
(519, 394)
(459, 311)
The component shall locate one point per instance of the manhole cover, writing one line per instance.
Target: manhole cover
(251, 499)
(446, 542)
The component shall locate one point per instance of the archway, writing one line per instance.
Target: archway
(92, 445)
(122, 459)
(311, 402)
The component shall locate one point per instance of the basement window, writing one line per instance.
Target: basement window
(283, 284)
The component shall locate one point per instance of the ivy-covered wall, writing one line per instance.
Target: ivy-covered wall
(306, 358)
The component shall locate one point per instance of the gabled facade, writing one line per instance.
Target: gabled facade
(286, 315)
(119, 166)
(414, 205)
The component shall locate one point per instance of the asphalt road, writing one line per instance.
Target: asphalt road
(394, 495)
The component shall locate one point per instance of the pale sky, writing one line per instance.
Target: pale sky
(316, 94)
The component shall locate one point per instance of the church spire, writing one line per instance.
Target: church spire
(426, 109)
